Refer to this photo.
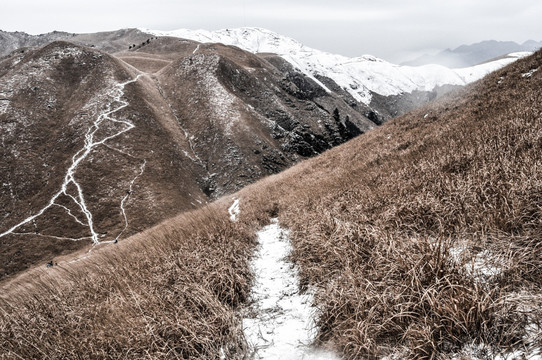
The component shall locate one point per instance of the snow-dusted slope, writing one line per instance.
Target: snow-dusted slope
(359, 76)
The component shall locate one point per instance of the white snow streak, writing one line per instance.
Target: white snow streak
(189, 138)
(234, 210)
(528, 74)
(128, 193)
(52, 236)
(70, 213)
(89, 145)
(280, 323)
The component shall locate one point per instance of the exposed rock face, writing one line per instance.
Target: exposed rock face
(96, 147)
(248, 117)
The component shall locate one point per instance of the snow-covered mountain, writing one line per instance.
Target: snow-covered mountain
(361, 76)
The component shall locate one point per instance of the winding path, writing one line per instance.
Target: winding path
(280, 322)
(91, 142)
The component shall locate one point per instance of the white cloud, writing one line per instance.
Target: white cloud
(322, 13)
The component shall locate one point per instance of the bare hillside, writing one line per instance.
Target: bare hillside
(420, 239)
(426, 248)
(96, 147)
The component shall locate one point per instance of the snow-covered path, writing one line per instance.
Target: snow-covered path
(279, 325)
(233, 210)
(69, 179)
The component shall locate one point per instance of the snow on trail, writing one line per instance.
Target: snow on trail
(279, 325)
(234, 210)
(89, 145)
(128, 193)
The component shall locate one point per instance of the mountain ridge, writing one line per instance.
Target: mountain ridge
(360, 76)
(162, 129)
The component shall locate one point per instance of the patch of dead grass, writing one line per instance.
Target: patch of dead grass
(170, 292)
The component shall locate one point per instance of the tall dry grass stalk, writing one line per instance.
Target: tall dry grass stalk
(171, 292)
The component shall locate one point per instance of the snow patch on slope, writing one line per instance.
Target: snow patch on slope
(234, 210)
(222, 102)
(280, 324)
(484, 351)
(482, 266)
(360, 76)
(529, 73)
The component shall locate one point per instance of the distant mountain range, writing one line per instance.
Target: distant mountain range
(388, 89)
(362, 77)
(470, 55)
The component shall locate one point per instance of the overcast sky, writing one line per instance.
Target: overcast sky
(395, 30)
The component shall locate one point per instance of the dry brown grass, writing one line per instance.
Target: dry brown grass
(170, 292)
(378, 224)
(390, 229)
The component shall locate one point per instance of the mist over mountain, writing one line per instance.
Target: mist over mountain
(470, 55)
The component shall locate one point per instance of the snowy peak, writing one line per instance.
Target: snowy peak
(255, 40)
(361, 77)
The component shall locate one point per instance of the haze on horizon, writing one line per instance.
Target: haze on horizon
(394, 30)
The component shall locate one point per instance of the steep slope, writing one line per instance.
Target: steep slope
(84, 158)
(470, 55)
(421, 239)
(426, 247)
(98, 147)
(247, 118)
(245, 115)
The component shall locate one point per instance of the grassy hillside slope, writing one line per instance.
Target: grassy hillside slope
(425, 235)
(422, 238)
